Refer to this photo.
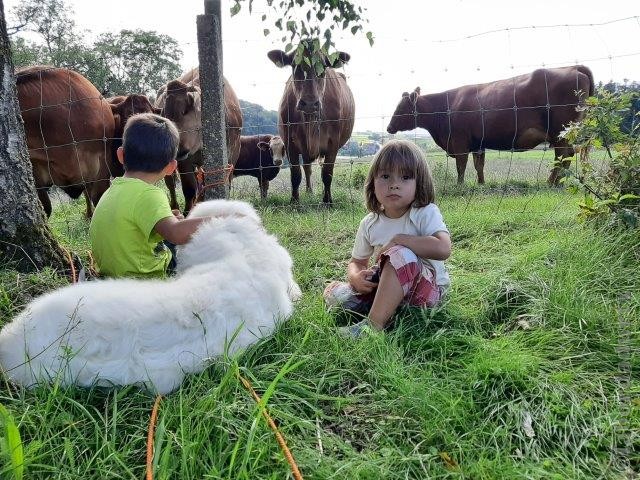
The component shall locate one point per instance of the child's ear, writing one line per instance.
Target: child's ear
(120, 155)
(171, 167)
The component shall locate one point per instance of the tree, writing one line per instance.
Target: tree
(138, 61)
(131, 61)
(310, 34)
(24, 235)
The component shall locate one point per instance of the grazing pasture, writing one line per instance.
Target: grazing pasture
(522, 373)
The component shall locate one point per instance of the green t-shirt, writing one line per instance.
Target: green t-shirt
(123, 241)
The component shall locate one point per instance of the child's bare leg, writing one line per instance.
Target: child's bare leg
(388, 297)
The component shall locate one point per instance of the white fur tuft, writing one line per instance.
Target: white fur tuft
(234, 279)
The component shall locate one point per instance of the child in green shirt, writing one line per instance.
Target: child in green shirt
(133, 217)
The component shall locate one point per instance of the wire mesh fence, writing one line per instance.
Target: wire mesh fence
(57, 113)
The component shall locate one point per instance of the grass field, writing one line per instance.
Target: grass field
(529, 370)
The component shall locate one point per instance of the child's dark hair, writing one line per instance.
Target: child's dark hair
(149, 142)
(406, 158)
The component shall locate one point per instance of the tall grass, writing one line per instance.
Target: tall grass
(520, 374)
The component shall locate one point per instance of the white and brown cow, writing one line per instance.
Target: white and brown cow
(261, 156)
(180, 102)
(316, 117)
(68, 127)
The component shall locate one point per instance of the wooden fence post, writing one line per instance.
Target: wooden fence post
(214, 145)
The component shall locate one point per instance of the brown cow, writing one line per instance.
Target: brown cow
(315, 119)
(180, 102)
(513, 114)
(123, 107)
(69, 127)
(260, 156)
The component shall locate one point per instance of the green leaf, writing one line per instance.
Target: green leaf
(288, 47)
(370, 38)
(235, 9)
(13, 442)
(265, 32)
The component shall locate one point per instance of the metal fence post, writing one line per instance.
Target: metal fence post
(214, 145)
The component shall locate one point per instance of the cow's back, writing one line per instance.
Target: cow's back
(338, 116)
(518, 112)
(254, 161)
(68, 124)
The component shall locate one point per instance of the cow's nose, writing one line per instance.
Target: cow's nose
(308, 106)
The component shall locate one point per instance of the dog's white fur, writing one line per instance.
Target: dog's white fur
(233, 279)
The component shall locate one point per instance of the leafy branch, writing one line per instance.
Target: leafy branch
(307, 27)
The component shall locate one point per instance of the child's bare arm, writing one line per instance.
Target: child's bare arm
(176, 230)
(435, 247)
(358, 274)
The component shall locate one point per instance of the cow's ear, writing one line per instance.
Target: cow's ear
(190, 100)
(343, 57)
(280, 58)
(417, 90)
(413, 97)
(161, 90)
(264, 146)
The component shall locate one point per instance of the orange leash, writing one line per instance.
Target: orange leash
(152, 427)
(283, 445)
(200, 176)
(74, 277)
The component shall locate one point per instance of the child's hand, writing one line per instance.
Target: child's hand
(178, 214)
(361, 281)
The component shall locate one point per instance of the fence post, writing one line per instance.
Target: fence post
(214, 145)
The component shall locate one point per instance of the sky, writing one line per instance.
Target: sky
(432, 44)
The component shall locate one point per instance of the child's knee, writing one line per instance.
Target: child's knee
(401, 252)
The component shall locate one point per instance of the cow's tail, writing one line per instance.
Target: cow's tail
(589, 74)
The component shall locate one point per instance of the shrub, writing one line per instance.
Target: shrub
(616, 191)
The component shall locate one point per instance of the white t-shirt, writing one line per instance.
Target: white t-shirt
(376, 230)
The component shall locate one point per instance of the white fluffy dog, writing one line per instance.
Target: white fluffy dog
(234, 283)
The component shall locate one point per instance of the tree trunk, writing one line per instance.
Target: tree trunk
(26, 243)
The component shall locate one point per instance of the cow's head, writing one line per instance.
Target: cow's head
(125, 107)
(275, 146)
(308, 86)
(404, 118)
(182, 106)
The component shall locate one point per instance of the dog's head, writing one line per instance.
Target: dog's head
(224, 208)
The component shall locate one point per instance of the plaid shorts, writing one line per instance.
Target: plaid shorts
(417, 279)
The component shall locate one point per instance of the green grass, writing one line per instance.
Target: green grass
(535, 328)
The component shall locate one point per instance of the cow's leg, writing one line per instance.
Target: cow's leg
(562, 151)
(307, 175)
(461, 165)
(43, 195)
(478, 162)
(327, 176)
(94, 193)
(87, 198)
(170, 182)
(189, 190)
(264, 187)
(296, 175)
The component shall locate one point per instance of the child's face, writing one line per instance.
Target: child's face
(395, 191)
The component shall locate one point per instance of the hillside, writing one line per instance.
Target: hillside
(258, 120)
